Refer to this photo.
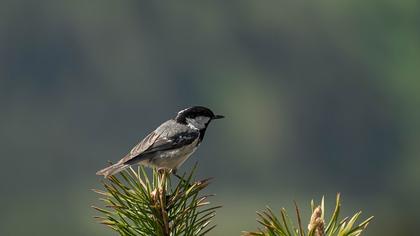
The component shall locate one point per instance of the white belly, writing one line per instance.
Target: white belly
(171, 159)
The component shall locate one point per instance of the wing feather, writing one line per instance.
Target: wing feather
(142, 146)
(166, 137)
(174, 142)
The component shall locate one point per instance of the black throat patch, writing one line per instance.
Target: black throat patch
(202, 132)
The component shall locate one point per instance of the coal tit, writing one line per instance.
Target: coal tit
(170, 145)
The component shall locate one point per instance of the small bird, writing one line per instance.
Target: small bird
(170, 145)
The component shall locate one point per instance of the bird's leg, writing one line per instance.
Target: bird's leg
(173, 171)
(161, 171)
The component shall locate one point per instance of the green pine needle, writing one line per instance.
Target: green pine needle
(137, 204)
(272, 226)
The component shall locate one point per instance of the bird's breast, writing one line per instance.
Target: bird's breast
(172, 159)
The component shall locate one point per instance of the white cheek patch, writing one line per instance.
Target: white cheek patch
(199, 122)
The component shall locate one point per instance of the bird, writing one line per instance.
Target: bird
(169, 145)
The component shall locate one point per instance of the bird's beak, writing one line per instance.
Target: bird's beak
(218, 117)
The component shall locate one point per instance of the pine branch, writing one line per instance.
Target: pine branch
(136, 204)
(272, 226)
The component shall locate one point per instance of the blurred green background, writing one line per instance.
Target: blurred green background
(320, 97)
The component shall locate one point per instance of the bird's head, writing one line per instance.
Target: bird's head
(198, 117)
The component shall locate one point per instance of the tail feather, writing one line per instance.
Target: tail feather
(112, 170)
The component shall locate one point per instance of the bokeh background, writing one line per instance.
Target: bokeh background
(320, 97)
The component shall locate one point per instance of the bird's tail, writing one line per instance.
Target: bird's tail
(112, 170)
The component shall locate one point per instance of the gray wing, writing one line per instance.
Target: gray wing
(173, 142)
(142, 146)
(170, 135)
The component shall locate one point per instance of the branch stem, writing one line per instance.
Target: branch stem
(162, 200)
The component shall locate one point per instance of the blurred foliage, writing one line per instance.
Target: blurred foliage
(317, 226)
(326, 85)
(142, 205)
